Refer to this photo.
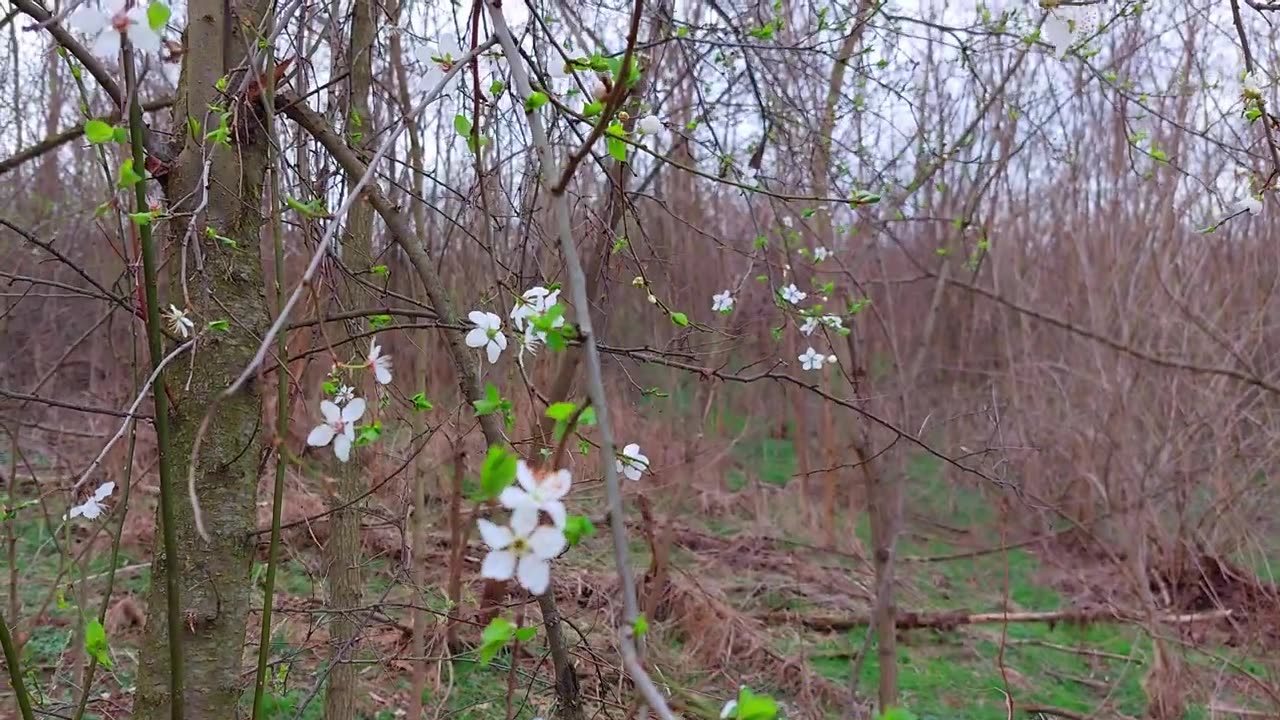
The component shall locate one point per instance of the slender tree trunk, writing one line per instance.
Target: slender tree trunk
(344, 538)
(224, 282)
(883, 498)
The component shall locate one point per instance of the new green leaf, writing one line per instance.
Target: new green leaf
(98, 132)
(157, 15)
(95, 643)
(497, 634)
(498, 471)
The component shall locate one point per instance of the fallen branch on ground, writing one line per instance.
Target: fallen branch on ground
(951, 620)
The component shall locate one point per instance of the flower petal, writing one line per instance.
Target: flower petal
(534, 574)
(354, 410)
(631, 449)
(89, 20)
(498, 565)
(342, 447)
(556, 510)
(493, 351)
(477, 318)
(556, 485)
(107, 44)
(524, 519)
(494, 535)
(513, 498)
(478, 337)
(524, 476)
(382, 371)
(144, 39)
(91, 509)
(330, 412)
(547, 542)
(320, 435)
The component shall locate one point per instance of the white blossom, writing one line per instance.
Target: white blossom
(345, 394)
(832, 321)
(487, 334)
(92, 507)
(1250, 86)
(380, 363)
(722, 302)
(179, 323)
(729, 710)
(1066, 25)
(649, 125)
(522, 550)
(538, 491)
(632, 462)
(339, 427)
(813, 360)
(809, 325)
(787, 221)
(107, 28)
(1241, 198)
(534, 302)
(820, 253)
(793, 294)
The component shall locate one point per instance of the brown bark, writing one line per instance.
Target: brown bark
(343, 546)
(224, 283)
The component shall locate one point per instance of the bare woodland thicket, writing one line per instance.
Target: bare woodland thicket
(304, 304)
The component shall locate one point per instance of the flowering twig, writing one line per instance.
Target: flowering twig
(595, 381)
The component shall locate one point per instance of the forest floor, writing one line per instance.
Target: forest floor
(745, 572)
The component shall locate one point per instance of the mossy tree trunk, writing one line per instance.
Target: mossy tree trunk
(224, 281)
(343, 547)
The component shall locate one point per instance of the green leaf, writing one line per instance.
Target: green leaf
(896, 713)
(142, 219)
(588, 417)
(369, 433)
(640, 626)
(577, 527)
(617, 148)
(462, 125)
(498, 471)
(862, 197)
(128, 176)
(95, 643)
(525, 634)
(221, 84)
(561, 411)
(120, 136)
(157, 15)
(220, 325)
(593, 108)
(491, 402)
(420, 402)
(496, 634)
(496, 88)
(193, 127)
(380, 270)
(329, 387)
(98, 132)
(680, 319)
(755, 707)
(535, 100)
(377, 322)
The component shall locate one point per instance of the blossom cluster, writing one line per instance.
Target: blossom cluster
(341, 414)
(532, 304)
(524, 548)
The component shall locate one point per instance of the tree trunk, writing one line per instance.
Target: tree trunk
(343, 548)
(224, 282)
